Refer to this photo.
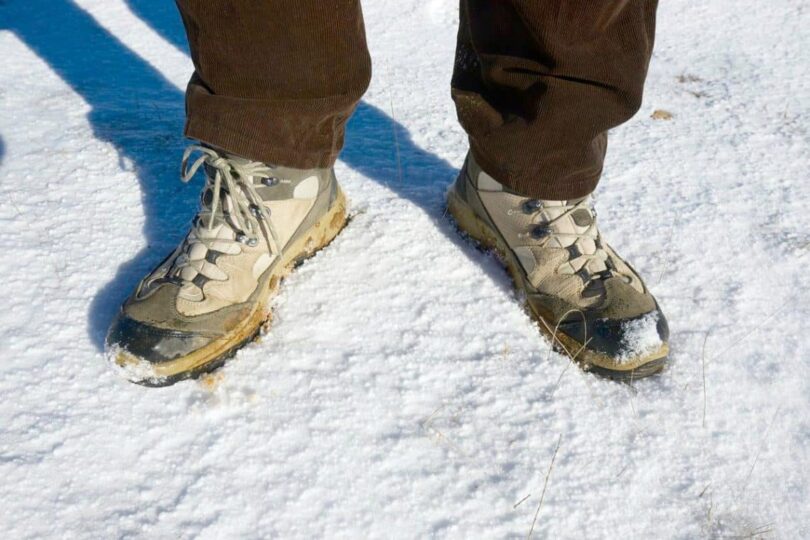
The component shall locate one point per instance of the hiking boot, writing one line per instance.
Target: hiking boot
(591, 303)
(211, 295)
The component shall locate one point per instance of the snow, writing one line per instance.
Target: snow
(640, 337)
(133, 371)
(401, 391)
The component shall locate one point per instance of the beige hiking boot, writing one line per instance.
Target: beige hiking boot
(211, 295)
(592, 304)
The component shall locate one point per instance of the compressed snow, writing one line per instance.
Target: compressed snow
(402, 392)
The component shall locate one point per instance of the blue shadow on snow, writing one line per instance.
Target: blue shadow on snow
(136, 109)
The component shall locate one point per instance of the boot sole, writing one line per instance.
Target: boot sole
(218, 352)
(489, 240)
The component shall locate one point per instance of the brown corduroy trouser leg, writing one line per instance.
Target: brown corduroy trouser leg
(537, 83)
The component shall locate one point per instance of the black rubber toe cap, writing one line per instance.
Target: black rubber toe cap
(149, 343)
(607, 336)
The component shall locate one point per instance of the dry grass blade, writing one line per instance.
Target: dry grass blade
(427, 425)
(703, 361)
(572, 357)
(545, 485)
(521, 501)
(762, 444)
(739, 340)
(760, 531)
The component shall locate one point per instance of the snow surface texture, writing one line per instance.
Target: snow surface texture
(402, 392)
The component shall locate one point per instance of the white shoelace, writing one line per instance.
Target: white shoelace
(235, 203)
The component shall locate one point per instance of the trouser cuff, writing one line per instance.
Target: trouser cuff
(301, 134)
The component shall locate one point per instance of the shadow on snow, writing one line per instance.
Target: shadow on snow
(141, 113)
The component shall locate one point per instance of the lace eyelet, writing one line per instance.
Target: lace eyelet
(256, 211)
(270, 181)
(539, 232)
(250, 241)
(531, 206)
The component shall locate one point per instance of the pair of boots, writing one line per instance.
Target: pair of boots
(211, 296)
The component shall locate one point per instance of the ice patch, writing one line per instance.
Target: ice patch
(640, 337)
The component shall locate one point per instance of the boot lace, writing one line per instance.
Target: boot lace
(594, 263)
(234, 202)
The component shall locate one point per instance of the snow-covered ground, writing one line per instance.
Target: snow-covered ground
(402, 392)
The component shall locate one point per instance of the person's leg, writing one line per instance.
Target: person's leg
(275, 81)
(537, 84)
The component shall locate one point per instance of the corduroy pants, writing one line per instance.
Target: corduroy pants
(537, 83)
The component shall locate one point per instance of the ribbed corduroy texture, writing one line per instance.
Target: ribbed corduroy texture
(537, 83)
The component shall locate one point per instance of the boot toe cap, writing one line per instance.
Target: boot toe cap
(143, 350)
(621, 345)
